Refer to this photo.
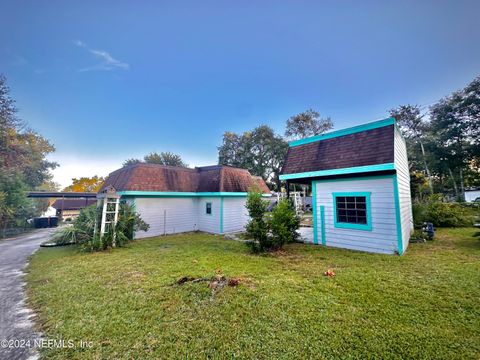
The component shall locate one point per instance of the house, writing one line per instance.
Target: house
(472, 194)
(177, 199)
(360, 186)
(69, 209)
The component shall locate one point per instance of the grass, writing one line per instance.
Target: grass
(425, 304)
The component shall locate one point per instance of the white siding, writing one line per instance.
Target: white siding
(235, 215)
(383, 236)
(178, 214)
(209, 223)
(403, 178)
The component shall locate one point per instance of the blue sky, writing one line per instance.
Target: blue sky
(109, 80)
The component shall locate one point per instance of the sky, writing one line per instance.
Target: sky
(111, 80)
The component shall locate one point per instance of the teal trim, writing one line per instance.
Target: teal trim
(343, 132)
(184, 194)
(372, 177)
(343, 171)
(221, 215)
(345, 225)
(397, 215)
(211, 208)
(314, 212)
(322, 222)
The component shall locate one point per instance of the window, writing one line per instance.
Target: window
(208, 208)
(352, 210)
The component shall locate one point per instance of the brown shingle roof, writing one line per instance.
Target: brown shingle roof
(152, 177)
(72, 204)
(369, 147)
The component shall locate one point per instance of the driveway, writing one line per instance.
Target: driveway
(15, 318)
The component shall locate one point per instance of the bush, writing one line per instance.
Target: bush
(83, 229)
(284, 224)
(440, 213)
(270, 233)
(257, 227)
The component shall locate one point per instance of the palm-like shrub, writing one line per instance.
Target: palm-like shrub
(83, 231)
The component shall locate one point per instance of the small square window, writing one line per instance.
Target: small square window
(208, 208)
(352, 210)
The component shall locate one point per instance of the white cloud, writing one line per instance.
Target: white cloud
(107, 61)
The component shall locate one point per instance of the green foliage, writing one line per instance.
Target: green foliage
(441, 214)
(257, 227)
(283, 224)
(272, 231)
(163, 158)
(260, 151)
(83, 229)
(23, 164)
(307, 123)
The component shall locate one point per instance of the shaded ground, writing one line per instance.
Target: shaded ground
(15, 317)
(129, 304)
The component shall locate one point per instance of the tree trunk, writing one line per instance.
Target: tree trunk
(462, 186)
(430, 185)
(454, 182)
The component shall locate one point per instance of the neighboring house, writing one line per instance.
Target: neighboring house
(472, 194)
(176, 199)
(360, 186)
(69, 209)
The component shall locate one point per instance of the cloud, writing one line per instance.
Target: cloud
(107, 61)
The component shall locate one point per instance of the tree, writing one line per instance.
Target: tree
(413, 127)
(131, 161)
(164, 158)
(455, 125)
(23, 164)
(260, 151)
(86, 184)
(307, 123)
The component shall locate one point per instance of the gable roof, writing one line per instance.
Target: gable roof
(161, 178)
(362, 146)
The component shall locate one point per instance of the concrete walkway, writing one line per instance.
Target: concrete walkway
(15, 318)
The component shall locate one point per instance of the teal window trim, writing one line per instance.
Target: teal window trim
(221, 215)
(397, 215)
(184, 194)
(322, 224)
(345, 225)
(343, 171)
(343, 132)
(206, 208)
(314, 212)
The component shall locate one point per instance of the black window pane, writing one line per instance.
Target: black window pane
(351, 209)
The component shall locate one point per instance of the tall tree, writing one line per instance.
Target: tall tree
(307, 123)
(455, 122)
(414, 129)
(260, 151)
(164, 158)
(23, 164)
(86, 184)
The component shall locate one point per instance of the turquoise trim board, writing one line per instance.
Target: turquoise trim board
(343, 171)
(322, 224)
(183, 194)
(221, 215)
(342, 132)
(346, 225)
(314, 212)
(397, 215)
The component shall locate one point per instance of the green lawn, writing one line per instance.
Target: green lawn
(425, 304)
